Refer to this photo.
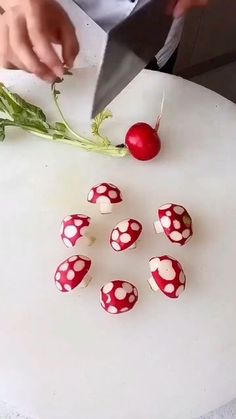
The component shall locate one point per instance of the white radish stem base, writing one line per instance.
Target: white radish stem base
(87, 279)
(105, 208)
(158, 227)
(153, 284)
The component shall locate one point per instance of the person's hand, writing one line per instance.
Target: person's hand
(28, 28)
(181, 7)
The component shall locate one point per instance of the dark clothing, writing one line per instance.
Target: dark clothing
(167, 68)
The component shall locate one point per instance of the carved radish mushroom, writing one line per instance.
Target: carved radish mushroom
(72, 273)
(105, 195)
(175, 221)
(74, 228)
(118, 296)
(167, 276)
(125, 235)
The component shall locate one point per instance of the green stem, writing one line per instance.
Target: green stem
(85, 140)
(107, 150)
(104, 141)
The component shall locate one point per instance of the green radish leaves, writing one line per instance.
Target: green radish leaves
(23, 113)
(98, 120)
(60, 126)
(96, 125)
(19, 113)
(2, 131)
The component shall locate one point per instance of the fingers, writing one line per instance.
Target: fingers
(45, 51)
(3, 43)
(184, 5)
(70, 44)
(7, 59)
(20, 43)
(27, 35)
(41, 24)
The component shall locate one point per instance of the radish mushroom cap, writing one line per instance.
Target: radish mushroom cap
(125, 235)
(175, 221)
(72, 273)
(105, 195)
(74, 228)
(167, 276)
(118, 297)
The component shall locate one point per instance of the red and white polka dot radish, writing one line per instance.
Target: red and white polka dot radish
(175, 221)
(74, 228)
(118, 297)
(167, 276)
(143, 140)
(105, 195)
(125, 235)
(72, 273)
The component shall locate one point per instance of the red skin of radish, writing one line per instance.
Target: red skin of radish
(143, 141)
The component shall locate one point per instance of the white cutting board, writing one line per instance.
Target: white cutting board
(62, 356)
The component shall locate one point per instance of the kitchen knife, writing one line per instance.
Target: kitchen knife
(131, 42)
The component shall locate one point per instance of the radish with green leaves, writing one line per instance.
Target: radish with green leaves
(142, 141)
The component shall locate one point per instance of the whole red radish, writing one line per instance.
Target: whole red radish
(143, 141)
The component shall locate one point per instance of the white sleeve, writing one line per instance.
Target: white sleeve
(171, 43)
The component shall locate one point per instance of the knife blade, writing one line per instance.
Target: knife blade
(131, 42)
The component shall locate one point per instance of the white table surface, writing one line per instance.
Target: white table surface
(62, 356)
(227, 411)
